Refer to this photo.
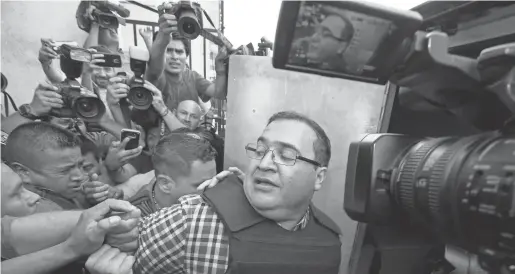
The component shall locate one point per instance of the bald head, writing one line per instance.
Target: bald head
(189, 113)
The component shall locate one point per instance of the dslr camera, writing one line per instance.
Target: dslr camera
(460, 190)
(140, 97)
(78, 101)
(189, 18)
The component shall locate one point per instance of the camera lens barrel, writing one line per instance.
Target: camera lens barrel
(188, 24)
(140, 97)
(462, 188)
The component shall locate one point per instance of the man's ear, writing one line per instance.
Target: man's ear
(320, 173)
(22, 171)
(166, 184)
(343, 47)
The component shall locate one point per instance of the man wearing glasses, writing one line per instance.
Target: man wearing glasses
(330, 40)
(265, 224)
(325, 48)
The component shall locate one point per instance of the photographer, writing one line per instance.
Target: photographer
(167, 67)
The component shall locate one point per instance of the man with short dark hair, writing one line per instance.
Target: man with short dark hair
(182, 162)
(331, 39)
(49, 160)
(265, 224)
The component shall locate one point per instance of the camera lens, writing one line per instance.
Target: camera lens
(140, 97)
(89, 108)
(188, 25)
(462, 188)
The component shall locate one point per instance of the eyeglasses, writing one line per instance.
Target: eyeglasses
(283, 156)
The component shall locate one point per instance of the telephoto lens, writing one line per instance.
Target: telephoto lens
(463, 188)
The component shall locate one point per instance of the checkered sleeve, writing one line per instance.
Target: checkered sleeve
(162, 242)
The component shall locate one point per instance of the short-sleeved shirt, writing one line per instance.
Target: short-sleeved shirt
(189, 86)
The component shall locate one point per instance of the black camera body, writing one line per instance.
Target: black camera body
(77, 103)
(189, 18)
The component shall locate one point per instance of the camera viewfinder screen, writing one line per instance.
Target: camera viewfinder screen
(330, 38)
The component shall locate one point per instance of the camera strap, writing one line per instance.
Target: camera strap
(8, 99)
(126, 112)
(219, 40)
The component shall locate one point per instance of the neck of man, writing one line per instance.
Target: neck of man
(174, 76)
(162, 199)
(285, 218)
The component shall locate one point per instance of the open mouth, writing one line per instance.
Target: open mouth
(263, 182)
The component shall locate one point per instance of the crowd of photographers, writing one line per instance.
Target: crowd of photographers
(102, 169)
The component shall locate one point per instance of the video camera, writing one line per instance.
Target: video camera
(460, 189)
(78, 101)
(107, 11)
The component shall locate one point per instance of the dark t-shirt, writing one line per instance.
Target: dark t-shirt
(189, 86)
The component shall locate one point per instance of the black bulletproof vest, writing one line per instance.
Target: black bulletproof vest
(258, 245)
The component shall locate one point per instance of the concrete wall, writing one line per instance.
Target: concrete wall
(24, 23)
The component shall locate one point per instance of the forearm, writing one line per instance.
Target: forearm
(44, 261)
(86, 79)
(122, 174)
(116, 110)
(148, 43)
(171, 122)
(92, 39)
(156, 62)
(39, 231)
(112, 127)
(54, 75)
(221, 86)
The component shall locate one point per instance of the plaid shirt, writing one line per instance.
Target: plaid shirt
(188, 237)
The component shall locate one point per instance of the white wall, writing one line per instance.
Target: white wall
(24, 23)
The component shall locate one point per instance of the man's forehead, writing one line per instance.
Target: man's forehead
(10, 179)
(176, 44)
(190, 106)
(291, 132)
(63, 156)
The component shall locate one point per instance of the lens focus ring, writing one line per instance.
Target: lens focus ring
(406, 190)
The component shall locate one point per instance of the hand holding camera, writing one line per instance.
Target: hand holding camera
(45, 99)
(96, 60)
(167, 24)
(117, 90)
(46, 52)
(157, 101)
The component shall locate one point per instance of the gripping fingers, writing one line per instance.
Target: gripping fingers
(101, 196)
(97, 189)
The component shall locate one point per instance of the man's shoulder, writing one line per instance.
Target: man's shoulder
(192, 200)
(8, 251)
